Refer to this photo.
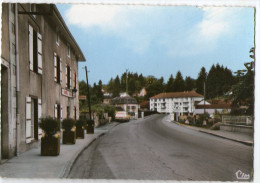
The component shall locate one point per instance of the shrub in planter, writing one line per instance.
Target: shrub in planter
(69, 134)
(80, 126)
(90, 126)
(50, 141)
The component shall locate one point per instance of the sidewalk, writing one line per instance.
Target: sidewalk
(235, 136)
(31, 164)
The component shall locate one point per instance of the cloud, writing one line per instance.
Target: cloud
(216, 24)
(93, 15)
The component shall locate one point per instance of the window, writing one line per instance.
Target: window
(57, 38)
(58, 111)
(68, 50)
(33, 9)
(75, 81)
(33, 114)
(68, 77)
(35, 50)
(57, 69)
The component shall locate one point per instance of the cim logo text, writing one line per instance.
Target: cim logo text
(241, 175)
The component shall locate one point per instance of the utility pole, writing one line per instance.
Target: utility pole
(90, 126)
(204, 95)
(126, 90)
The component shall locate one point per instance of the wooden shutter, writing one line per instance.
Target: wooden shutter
(75, 81)
(28, 125)
(39, 47)
(39, 117)
(55, 111)
(55, 67)
(31, 47)
(60, 71)
(66, 68)
(70, 79)
(61, 118)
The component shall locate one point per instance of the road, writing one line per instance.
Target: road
(156, 149)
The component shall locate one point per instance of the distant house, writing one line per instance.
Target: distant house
(178, 103)
(211, 106)
(107, 97)
(126, 102)
(144, 106)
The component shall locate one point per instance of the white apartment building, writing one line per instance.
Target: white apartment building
(177, 103)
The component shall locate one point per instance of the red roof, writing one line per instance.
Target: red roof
(145, 104)
(184, 94)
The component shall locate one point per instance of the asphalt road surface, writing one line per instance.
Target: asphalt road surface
(156, 149)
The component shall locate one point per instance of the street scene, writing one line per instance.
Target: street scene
(123, 92)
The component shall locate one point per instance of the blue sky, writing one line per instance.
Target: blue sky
(159, 40)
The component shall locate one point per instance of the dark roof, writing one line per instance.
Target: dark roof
(145, 104)
(124, 100)
(177, 95)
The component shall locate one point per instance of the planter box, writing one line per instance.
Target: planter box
(80, 133)
(69, 137)
(50, 146)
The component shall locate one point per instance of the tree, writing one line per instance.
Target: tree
(243, 91)
(219, 81)
(178, 84)
(116, 87)
(169, 85)
(201, 80)
(189, 83)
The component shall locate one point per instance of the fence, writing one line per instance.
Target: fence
(237, 120)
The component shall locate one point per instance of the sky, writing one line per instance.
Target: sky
(158, 40)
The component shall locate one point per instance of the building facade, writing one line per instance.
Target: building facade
(39, 73)
(178, 103)
(127, 103)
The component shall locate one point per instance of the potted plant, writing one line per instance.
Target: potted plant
(50, 141)
(80, 126)
(68, 134)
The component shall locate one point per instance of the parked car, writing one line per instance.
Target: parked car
(122, 116)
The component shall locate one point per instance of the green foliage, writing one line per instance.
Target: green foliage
(219, 81)
(49, 125)
(178, 84)
(189, 84)
(99, 110)
(68, 124)
(80, 123)
(169, 85)
(202, 117)
(110, 110)
(243, 91)
(200, 81)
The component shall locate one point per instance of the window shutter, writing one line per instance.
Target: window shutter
(55, 67)
(39, 117)
(39, 46)
(60, 71)
(28, 125)
(75, 82)
(70, 78)
(55, 111)
(61, 118)
(31, 47)
(66, 68)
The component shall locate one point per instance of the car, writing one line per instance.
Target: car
(122, 116)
